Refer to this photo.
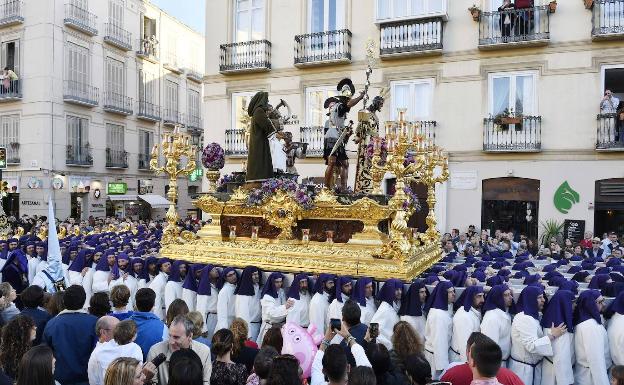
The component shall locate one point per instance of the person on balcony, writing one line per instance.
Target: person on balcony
(609, 103)
(507, 18)
(525, 16)
(9, 80)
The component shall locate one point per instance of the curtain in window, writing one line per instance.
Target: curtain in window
(500, 94)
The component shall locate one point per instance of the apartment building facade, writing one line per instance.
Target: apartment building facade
(99, 81)
(514, 95)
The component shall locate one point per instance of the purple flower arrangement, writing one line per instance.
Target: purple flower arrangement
(213, 156)
(383, 150)
(222, 184)
(412, 199)
(271, 186)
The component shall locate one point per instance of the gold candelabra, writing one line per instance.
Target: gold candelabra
(175, 145)
(410, 156)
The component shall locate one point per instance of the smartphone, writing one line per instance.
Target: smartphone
(335, 324)
(159, 359)
(373, 330)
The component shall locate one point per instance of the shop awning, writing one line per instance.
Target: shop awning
(156, 201)
(123, 197)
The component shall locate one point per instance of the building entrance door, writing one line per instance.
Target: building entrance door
(609, 206)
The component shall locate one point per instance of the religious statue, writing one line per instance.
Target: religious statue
(277, 144)
(366, 131)
(337, 134)
(259, 161)
(293, 151)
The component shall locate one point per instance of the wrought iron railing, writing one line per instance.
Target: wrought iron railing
(525, 136)
(144, 161)
(610, 132)
(194, 122)
(118, 103)
(608, 18)
(80, 19)
(245, 56)
(514, 26)
(11, 89)
(411, 36)
(235, 143)
(330, 46)
(147, 49)
(117, 36)
(172, 117)
(11, 12)
(81, 93)
(78, 155)
(116, 158)
(314, 137)
(12, 152)
(428, 129)
(149, 111)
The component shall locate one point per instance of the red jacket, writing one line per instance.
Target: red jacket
(523, 4)
(462, 375)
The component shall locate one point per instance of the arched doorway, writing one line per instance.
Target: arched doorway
(510, 204)
(609, 206)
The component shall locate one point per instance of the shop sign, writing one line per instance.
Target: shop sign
(118, 188)
(146, 186)
(565, 197)
(574, 229)
(35, 183)
(196, 175)
(31, 203)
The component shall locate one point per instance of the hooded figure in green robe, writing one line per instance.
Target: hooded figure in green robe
(259, 162)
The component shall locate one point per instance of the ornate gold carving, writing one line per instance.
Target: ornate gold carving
(325, 197)
(282, 211)
(213, 177)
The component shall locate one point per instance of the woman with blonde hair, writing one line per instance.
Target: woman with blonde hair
(241, 353)
(197, 319)
(124, 371)
(405, 342)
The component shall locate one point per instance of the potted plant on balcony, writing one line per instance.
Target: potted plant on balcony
(69, 151)
(589, 4)
(14, 145)
(552, 6)
(507, 117)
(213, 158)
(475, 12)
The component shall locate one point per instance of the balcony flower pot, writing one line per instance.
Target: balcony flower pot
(475, 12)
(589, 4)
(511, 120)
(552, 6)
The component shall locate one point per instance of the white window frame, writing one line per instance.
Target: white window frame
(194, 106)
(115, 136)
(250, 30)
(10, 133)
(340, 16)
(18, 55)
(115, 76)
(73, 52)
(328, 91)
(412, 83)
(427, 13)
(233, 122)
(145, 148)
(172, 99)
(147, 86)
(533, 110)
(82, 130)
(116, 12)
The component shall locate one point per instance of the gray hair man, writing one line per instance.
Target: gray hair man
(104, 328)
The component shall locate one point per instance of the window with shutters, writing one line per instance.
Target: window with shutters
(146, 142)
(77, 65)
(147, 86)
(11, 55)
(326, 15)
(115, 81)
(9, 137)
(171, 99)
(249, 20)
(116, 12)
(315, 99)
(78, 140)
(116, 155)
(193, 107)
(405, 9)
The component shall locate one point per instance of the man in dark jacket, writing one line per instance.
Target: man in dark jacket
(32, 299)
(71, 335)
(351, 316)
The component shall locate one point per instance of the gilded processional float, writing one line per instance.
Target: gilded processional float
(279, 225)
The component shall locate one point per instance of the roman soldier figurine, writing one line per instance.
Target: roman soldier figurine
(337, 135)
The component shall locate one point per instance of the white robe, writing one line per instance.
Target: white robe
(529, 345)
(273, 313)
(335, 308)
(225, 306)
(100, 282)
(615, 332)
(367, 312)
(173, 291)
(418, 323)
(592, 354)
(557, 370)
(190, 298)
(319, 305)
(33, 262)
(248, 308)
(299, 313)
(386, 316)
(438, 331)
(496, 324)
(158, 285)
(40, 267)
(464, 324)
(207, 305)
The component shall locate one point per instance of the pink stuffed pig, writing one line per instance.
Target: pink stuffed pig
(302, 344)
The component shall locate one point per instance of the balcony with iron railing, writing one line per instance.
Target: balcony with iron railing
(172, 117)
(235, 143)
(80, 19)
(11, 13)
(172, 63)
(194, 123)
(117, 36)
(80, 93)
(10, 90)
(428, 129)
(117, 103)
(247, 56)
(411, 37)
(514, 28)
(314, 136)
(144, 162)
(12, 152)
(78, 155)
(148, 111)
(608, 19)
(513, 134)
(330, 47)
(610, 132)
(147, 49)
(116, 158)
